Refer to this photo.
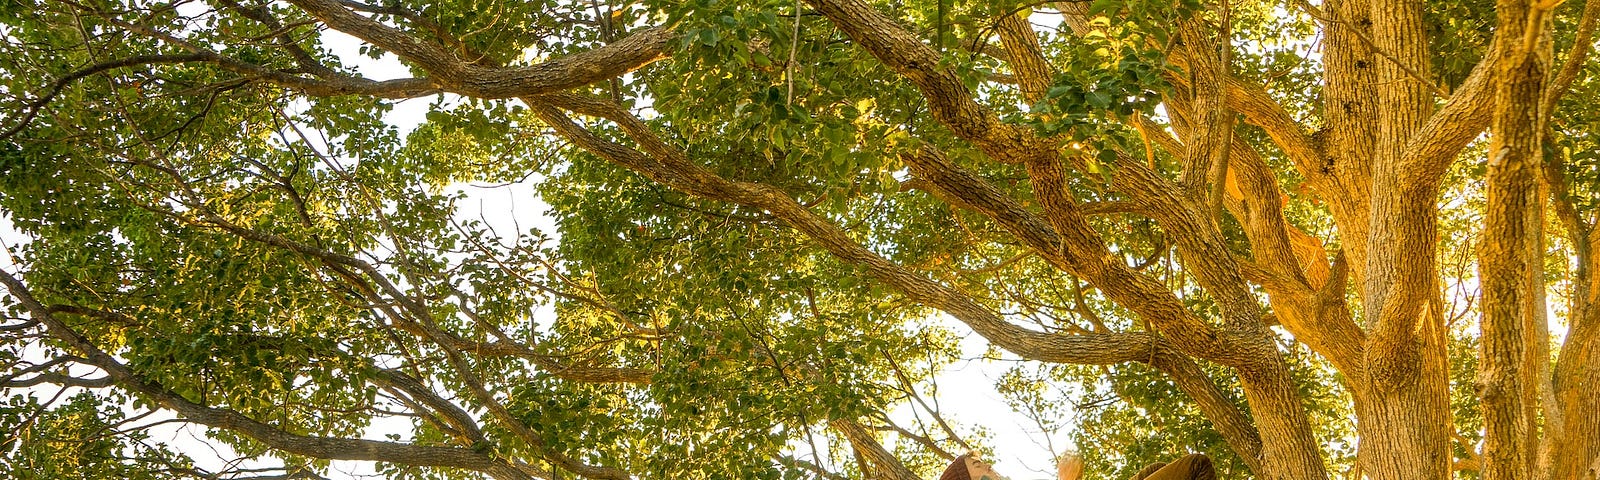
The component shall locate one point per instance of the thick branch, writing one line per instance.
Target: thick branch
(949, 99)
(862, 440)
(1239, 430)
(466, 78)
(1138, 293)
(1293, 256)
(1259, 109)
(459, 419)
(1027, 60)
(1429, 153)
(666, 164)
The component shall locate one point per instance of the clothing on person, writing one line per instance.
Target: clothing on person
(1193, 466)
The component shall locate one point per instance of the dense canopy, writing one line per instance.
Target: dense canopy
(1323, 239)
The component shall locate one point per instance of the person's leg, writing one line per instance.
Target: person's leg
(1193, 466)
(1145, 473)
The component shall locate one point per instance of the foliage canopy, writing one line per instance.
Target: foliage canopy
(1274, 232)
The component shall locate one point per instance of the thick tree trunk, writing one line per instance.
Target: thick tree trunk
(1510, 259)
(1347, 142)
(1575, 448)
(1404, 427)
(1403, 416)
(1571, 448)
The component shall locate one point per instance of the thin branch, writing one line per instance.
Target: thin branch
(316, 447)
(31, 109)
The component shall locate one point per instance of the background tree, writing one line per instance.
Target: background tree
(1254, 228)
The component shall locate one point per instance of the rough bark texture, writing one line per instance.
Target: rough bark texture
(1577, 386)
(1350, 108)
(1403, 415)
(1511, 260)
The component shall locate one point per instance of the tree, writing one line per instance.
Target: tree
(1272, 209)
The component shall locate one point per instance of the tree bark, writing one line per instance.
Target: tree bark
(1577, 387)
(1510, 256)
(1571, 448)
(1350, 111)
(1403, 416)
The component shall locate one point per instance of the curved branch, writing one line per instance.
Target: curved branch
(1138, 293)
(327, 85)
(666, 164)
(1238, 429)
(949, 99)
(459, 419)
(466, 78)
(1582, 46)
(262, 15)
(1296, 263)
(1429, 152)
(869, 447)
(1261, 110)
(31, 109)
(416, 19)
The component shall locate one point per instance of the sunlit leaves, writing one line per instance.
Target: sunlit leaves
(82, 437)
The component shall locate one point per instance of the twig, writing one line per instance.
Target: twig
(1319, 16)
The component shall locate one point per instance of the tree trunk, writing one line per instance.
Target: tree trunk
(1577, 385)
(1403, 416)
(1404, 426)
(1289, 451)
(1350, 108)
(1509, 259)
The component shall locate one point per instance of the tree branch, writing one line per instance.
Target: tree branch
(1582, 46)
(466, 78)
(1431, 150)
(31, 110)
(1138, 293)
(874, 452)
(315, 447)
(949, 100)
(666, 164)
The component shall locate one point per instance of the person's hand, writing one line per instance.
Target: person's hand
(1069, 466)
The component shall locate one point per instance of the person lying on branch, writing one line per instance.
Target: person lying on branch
(1193, 466)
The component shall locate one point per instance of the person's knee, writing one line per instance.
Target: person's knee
(1149, 470)
(1199, 466)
